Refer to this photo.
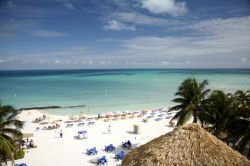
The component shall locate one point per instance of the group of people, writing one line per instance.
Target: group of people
(28, 143)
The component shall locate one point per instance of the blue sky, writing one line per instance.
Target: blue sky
(73, 34)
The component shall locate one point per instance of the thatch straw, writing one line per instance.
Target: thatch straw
(188, 145)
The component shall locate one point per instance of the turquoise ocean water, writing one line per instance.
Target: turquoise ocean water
(108, 90)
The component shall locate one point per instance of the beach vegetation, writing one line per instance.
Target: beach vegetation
(225, 115)
(190, 96)
(10, 134)
(19, 154)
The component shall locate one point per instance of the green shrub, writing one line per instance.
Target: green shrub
(19, 154)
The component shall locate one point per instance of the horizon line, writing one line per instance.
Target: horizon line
(127, 69)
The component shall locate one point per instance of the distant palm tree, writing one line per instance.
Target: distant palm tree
(9, 132)
(219, 113)
(191, 97)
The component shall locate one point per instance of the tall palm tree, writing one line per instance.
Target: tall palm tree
(191, 96)
(9, 132)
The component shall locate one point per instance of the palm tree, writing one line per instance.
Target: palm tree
(9, 132)
(242, 100)
(240, 133)
(191, 97)
(219, 113)
(228, 117)
(239, 128)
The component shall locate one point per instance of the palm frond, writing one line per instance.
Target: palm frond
(183, 118)
(6, 111)
(177, 107)
(15, 123)
(11, 132)
(179, 100)
(6, 148)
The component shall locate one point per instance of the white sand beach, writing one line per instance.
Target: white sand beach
(70, 150)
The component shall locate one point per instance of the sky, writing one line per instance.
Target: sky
(100, 34)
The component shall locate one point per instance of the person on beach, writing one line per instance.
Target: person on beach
(31, 143)
(61, 133)
(129, 144)
(109, 130)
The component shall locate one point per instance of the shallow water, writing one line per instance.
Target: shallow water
(108, 90)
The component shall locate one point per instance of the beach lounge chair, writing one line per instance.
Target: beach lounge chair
(80, 124)
(70, 125)
(120, 155)
(109, 148)
(22, 164)
(126, 145)
(89, 119)
(101, 161)
(160, 115)
(91, 123)
(92, 151)
(158, 119)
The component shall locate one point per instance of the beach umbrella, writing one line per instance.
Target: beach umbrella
(188, 145)
(118, 113)
(109, 114)
(81, 115)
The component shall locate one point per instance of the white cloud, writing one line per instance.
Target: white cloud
(47, 34)
(165, 62)
(140, 19)
(117, 26)
(209, 43)
(171, 7)
(69, 5)
(57, 62)
(219, 26)
(243, 59)
(223, 43)
(105, 62)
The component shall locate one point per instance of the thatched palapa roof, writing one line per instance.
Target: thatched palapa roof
(188, 145)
